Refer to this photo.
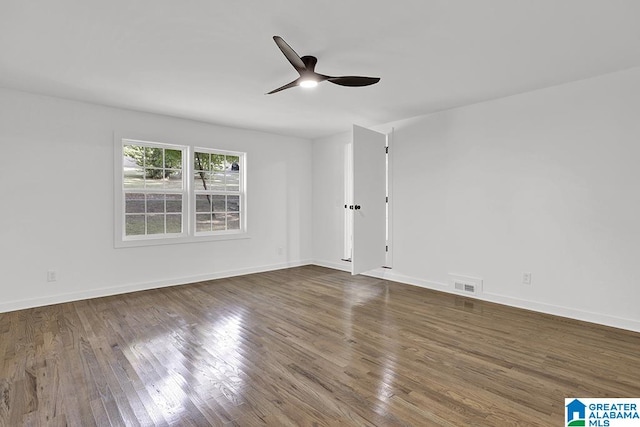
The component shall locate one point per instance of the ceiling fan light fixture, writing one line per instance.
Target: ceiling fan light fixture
(305, 66)
(309, 83)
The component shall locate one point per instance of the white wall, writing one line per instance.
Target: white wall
(546, 182)
(57, 203)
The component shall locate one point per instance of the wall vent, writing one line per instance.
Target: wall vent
(467, 287)
(465, 284)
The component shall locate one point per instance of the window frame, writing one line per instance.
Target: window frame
(188, 192)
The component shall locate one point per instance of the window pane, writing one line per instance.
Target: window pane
(209, 177)
(174, 223)
(233, 181)
(155, 224)
(155, 203)
(203, 222)
(203, 203)
(153, 157)
(200, 181)
(154, 178)
(217, 162)
(216, 181)
(233, 163)
(173, 159)
(202, 161)
(134, 203)
(219, 203)
(173, 179)
(219, 222)
(133, 155)
(233, 203)
(133, 176)
(233, 221)
(134, 225)
(174, 203)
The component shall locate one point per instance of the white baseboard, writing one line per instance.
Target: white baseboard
(342, 265)
(599, 318)
(135, 287)
(385, 273)
(571, 313)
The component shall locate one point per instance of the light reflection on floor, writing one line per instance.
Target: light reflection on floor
(209, 370)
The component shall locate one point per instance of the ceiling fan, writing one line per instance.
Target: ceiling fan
(305, 66)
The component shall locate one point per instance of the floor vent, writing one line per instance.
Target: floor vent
(466, 285)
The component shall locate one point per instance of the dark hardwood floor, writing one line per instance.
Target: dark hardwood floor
(303, 347)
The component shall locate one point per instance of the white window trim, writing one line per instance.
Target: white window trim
(188, 208)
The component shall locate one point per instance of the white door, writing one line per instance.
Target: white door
(369, 200)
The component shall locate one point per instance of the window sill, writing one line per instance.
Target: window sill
(132, 243)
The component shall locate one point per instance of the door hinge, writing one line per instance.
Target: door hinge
(386, 248)
(386, 149)
(386, 199)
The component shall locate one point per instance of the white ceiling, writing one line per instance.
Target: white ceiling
(214, 60)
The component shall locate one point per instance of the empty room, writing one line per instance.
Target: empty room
(368, 213)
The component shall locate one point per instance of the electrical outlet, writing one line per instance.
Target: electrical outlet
(52, 276)
(526, 278)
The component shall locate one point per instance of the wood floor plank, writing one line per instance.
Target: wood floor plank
(303, 346)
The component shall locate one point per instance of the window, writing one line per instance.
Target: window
(156, 203)
(217, 190)
(153, 189)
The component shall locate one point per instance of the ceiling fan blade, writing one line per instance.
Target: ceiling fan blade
(354, 80)
(290, 54)
(287, 86)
